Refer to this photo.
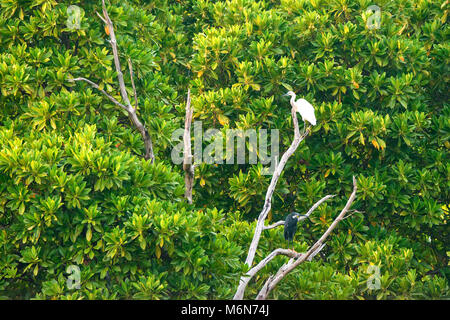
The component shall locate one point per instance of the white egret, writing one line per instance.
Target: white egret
(303, 107)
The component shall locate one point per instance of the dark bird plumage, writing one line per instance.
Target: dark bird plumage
(290, 225)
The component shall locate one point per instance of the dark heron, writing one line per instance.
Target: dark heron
(290, 226)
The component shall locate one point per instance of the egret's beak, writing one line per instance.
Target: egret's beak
(285, 95)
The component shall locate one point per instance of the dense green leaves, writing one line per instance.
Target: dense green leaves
(74, 190)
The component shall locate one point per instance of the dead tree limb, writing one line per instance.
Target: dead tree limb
(188, 166)
(276, 175)
(96, 86)
(123, 91)
(274, 225)
(273, 280)
(130, 67)
(295, 258)
(253, 271)
(314, 207)
(239, 295)
(268, 201)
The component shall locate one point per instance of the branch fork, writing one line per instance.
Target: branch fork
(295, 258)
(149, 155)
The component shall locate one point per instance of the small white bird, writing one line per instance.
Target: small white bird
(303, 107)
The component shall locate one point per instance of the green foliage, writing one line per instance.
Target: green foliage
(80, 201)
(74, 189)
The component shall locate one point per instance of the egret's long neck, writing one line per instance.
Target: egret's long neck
(292, 100)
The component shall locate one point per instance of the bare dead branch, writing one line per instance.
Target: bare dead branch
(130, 67)
(253, 271)
(268, 200)
(100, 16)
(276, 175)
(113, 42)
(245, 280)
(352, 212)
(314, 207)
(272, 281)
(123, 92)
(274, 225)
(94, 85)
(318, 203)
(188, 167)
(316, 252)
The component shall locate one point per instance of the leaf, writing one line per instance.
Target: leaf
(375, 144)
(158, 251)
(89, 234)
(381, 143)
(287, 86)
(21, 208)
(223, 120)
(361, 139)
(142, 242)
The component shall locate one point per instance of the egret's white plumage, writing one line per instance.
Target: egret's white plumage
(303, 107)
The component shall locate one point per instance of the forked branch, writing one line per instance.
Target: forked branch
(268, 200)
(289, 253)
(276, 175)
(123, 91)
(314, 207)
(273, 280)
(295, 258)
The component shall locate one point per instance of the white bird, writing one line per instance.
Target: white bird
(303, 107)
